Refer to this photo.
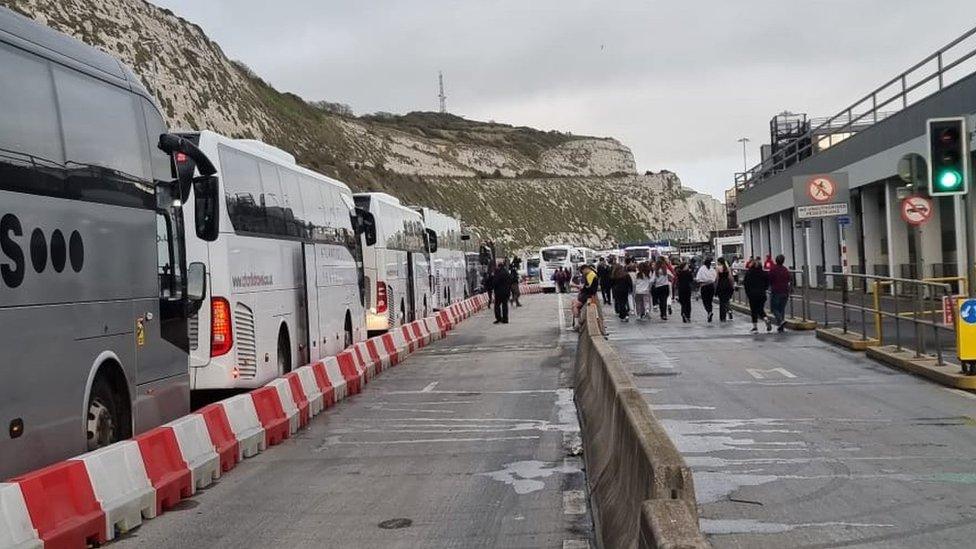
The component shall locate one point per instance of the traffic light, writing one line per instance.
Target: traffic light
(948, 156)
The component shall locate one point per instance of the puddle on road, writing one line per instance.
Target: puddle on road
(523, 476)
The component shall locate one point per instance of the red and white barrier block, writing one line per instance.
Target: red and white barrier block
(16, 530)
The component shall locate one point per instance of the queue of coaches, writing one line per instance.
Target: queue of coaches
(138, 264)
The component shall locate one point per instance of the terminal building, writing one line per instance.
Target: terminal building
(866, 141)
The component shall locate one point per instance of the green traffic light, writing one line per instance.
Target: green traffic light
(949, 179)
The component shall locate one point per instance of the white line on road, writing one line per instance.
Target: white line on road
(574, 502)
(474, 392)
(576, 544)
(429, 387)
(761, 374)
(429, 440)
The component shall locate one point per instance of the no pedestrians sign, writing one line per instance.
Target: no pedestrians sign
(821, 195)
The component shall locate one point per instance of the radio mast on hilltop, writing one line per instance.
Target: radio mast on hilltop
(441, 96)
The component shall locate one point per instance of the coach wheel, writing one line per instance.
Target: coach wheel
(107, 415)
(284, 352)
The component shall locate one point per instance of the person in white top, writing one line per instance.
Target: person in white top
(642, 290)
(706, 277)
(661, 286)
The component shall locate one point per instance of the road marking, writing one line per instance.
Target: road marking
(574, 502)
(561, 317)
(474, 392)
(429, 440)
(960, 392)
(761, 374)
(429, 387)
(576, 544)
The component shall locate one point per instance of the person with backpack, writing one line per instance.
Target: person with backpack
(724, 288)
(756, 283)
(705, 277)
(603, 276)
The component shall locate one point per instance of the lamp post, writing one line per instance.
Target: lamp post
(745, 161)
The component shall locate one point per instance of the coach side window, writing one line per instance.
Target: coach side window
(105, 142)
(242, 184)
(28, 125)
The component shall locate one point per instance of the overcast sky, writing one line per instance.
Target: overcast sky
(677, 81)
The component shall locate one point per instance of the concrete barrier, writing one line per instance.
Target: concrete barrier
(168, 473)
(316, 400)
(221, 435)
(62, 505)
(630, 458)
(670, 524)
(336, 379)
(290, 404)
(118, 478)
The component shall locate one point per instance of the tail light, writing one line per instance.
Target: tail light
(381, 303)
(221, 332)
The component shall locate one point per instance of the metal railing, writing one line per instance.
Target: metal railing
(905, 313)
(869, 110)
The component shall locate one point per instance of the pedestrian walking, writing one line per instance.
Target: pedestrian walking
(724, 288)
(603, 276)
(684, 283)
(486, 284)
(756, 283)
(642, 291)
(780, 280)
(661, 287)
(516, 290)
(705, 277)
(502, 284)
(622, 288)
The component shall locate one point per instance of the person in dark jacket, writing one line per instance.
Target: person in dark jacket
(780, 281)
(603, 275)
(724, 288)
(685, 284)
(623, 285)
(501, 282)
(486, 285)
(756, 283)
(514, 277)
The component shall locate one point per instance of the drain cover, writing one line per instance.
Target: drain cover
(394, 523)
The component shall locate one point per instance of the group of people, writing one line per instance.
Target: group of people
(654, 284)
(562, 277)
(501, 283)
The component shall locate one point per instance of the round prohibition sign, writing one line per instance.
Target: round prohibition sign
(821, 189)
(916, 210)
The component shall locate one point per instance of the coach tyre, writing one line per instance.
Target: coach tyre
(108, 418)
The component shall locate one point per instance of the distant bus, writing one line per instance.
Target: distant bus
(640, 253)
(285, 283)
(94, 286)
(553, 257)
(395, 261)
(586, 255)
(532, 268)
(448, 267)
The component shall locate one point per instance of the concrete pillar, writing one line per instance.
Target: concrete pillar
(962, 237)
(874, 228)
(854, 240)
(763, 248)
(815, 243)
(775, 235)
(932, 244)
(786, 235)
(831, 232)
(799, 251)
(747, 245)
(897, 232)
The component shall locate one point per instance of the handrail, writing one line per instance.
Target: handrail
(795, 151)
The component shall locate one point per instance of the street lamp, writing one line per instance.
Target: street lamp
(745, 161)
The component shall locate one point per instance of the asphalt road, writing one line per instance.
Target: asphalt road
(795, 443)
(472, 442)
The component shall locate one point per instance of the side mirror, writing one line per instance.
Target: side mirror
(367, 226)
(206, 207)
(185, 156)
(431, 240)
(196, 283)
(465, 237)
